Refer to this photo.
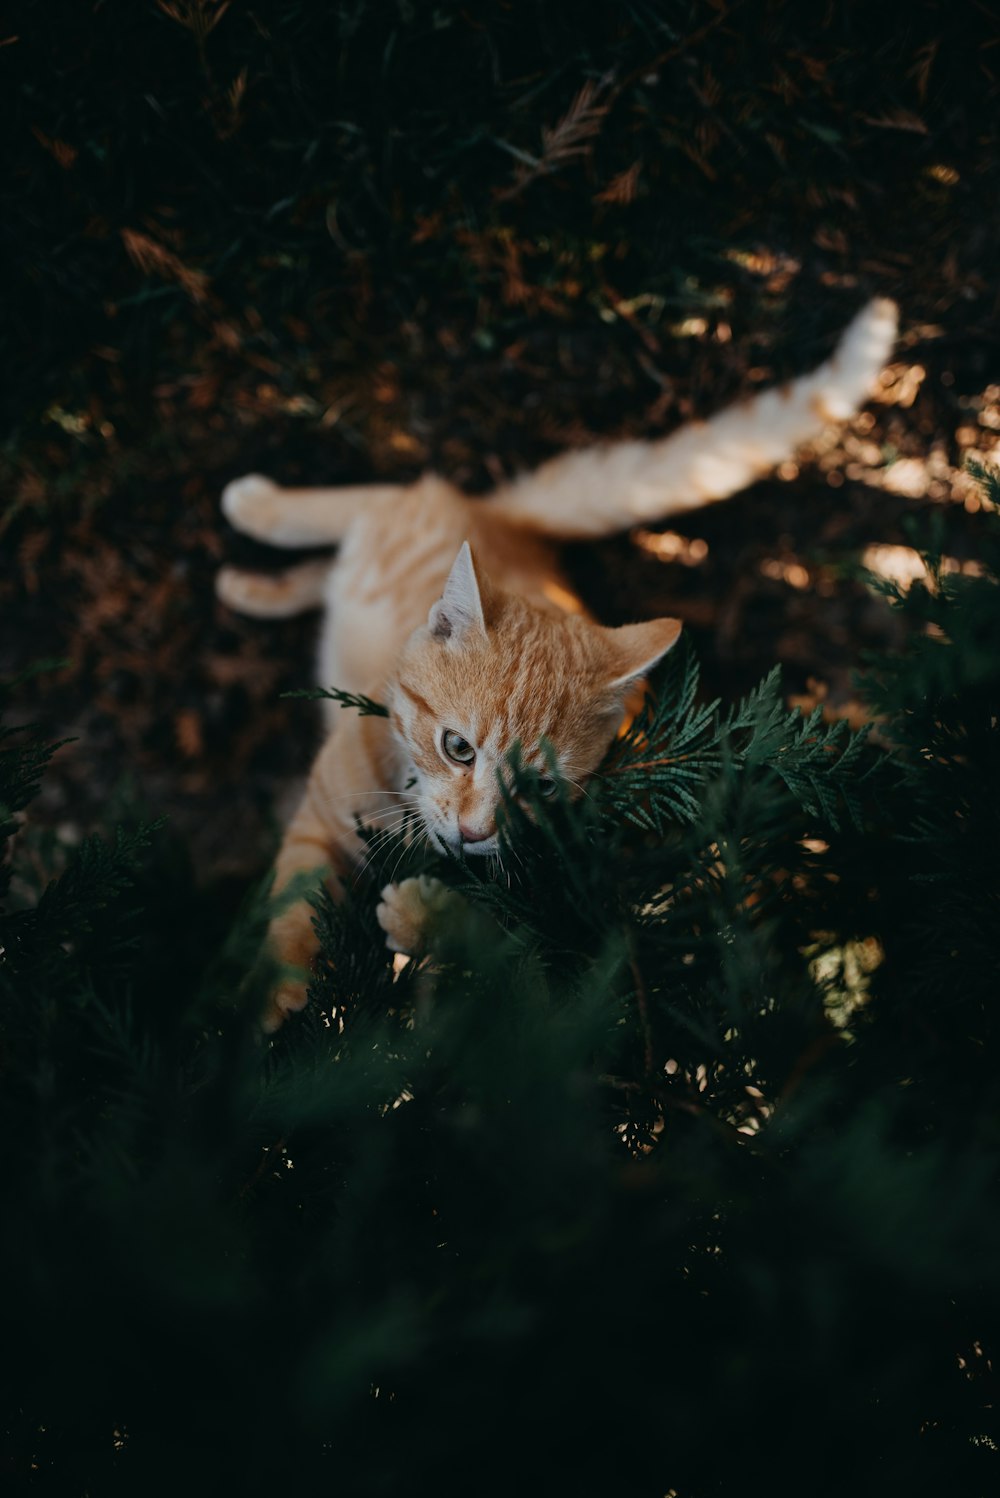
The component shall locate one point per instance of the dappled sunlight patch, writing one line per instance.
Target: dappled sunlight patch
(904, 566)
(899, 384)
(844, 975)
(786, 570)
(670, 546)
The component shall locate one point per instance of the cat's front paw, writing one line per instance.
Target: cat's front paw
(252, 505)
(288, 998)
(292, 945)
(409, 911)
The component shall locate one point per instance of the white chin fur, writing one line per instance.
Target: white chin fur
(488, 845)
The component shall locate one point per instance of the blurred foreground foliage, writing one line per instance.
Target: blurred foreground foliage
(674, 1171)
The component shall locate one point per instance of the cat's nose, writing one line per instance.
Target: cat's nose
(474, 834)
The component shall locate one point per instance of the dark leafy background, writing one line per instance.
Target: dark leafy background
(681, 1178)
(342, 241)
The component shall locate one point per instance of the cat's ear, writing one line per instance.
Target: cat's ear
(459, 610)
(635, 649)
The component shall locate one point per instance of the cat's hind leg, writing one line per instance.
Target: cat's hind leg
(297, 517)
(273, 595)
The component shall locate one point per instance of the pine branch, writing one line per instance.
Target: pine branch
(23, 758)
(153, 258)
(623, 187)
(569, 139)
(23, 755)
(657, 772)
(70, 917)
(363, 705)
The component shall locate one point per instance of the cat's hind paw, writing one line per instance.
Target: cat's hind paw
(409, 912)
(252, 505)
(272, 596)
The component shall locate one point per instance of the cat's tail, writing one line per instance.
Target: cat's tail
(596, 491)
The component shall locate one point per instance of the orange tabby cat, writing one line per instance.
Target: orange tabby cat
(476, 649)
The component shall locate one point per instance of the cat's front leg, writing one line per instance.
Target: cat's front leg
(414, 912)
(352, 774)
(305, 858)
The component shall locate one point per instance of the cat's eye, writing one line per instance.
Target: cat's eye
(457, 748)
(546, 785)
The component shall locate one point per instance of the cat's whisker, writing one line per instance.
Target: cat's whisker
(408, 828)
(514, 853)
(386, 820)
(383, 836)
(577, 784)
(402, 854)
(375, 791)
(396, 825)
(502, 867)
(376, 847)
(513, 849)
(369, 858)
(369, 816)
(391, 829)
(374, 818)
(364, 813)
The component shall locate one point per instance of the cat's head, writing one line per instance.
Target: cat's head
(489, 671)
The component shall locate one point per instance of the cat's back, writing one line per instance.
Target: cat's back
(393, 564)
(391, 567)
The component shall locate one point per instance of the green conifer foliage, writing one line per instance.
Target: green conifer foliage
(672, 1168)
